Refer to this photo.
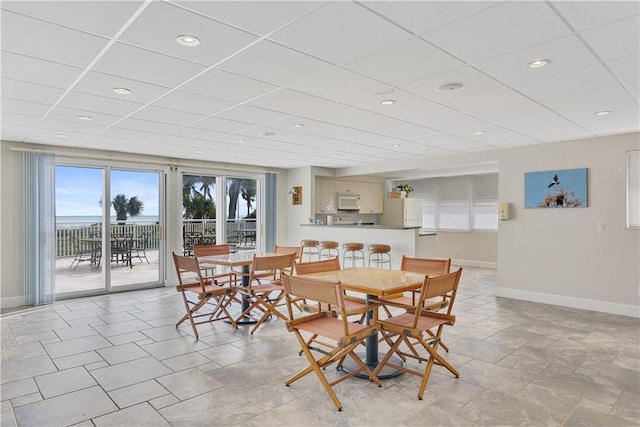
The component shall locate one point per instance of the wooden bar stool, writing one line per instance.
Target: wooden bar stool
(379, 254)
(329, 249)
(310, 248)
(353, 251)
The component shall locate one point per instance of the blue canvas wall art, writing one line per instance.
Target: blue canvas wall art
(556, 189)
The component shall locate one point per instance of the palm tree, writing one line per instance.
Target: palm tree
(234, 192)
(198, 206)
(248, 192)
(126, 206)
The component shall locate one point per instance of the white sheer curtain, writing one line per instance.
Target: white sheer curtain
(39, 226)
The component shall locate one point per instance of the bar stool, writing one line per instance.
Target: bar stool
(379, 254)
(329, 249)
(353, 251)
(310, 248)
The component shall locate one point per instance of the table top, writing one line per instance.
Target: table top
(235, 259)
(373, 281)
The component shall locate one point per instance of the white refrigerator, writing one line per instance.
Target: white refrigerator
(402, 213)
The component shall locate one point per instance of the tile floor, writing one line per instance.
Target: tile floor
(118, 360)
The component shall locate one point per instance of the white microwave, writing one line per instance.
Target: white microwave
(348, 202)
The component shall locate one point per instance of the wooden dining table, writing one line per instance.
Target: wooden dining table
(373, 282)
(242, 259)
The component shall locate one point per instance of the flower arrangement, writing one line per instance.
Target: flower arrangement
(404, 187)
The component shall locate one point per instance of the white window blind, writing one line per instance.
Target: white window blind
(633, 189)
(485, 202)
(455, 203)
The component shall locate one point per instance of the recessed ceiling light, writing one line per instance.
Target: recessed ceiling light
(198, 151)
(241, 140)
(450, 87)
(267, 134)
(121, 90)
(61, 135)
(289, 162)
(86, 118)
(388, 101)
(603, 113)
(335, 155)
(479, 132)
(396, 145)
(189, 41)
(298, 125)
(539, 63)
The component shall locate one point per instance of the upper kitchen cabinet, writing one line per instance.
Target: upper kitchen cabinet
(326, 192)
(371, 197)
(348, 187)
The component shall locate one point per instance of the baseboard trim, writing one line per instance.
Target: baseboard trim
(573, 302)
(473, 263)
(7, 302)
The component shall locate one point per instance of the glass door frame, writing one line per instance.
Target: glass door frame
(221, 201)
(106, 169)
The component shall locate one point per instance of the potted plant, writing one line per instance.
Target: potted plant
(404, 189)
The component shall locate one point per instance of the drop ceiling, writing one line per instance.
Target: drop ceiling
(289, 84)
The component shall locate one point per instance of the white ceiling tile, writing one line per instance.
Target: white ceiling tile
(423, 16)
(193, 103)
(587, 14)
(195, 133)
(341, 85)
(266, 16)
(98, 104)
(18, 106)
(25, 36)
(474, 81)
(130, 134)
(146, 66)
(71, 114)
(527, 118)
(221, 125)
(25, 68)
(19, 119)
(483, 35)
(166, 115)
(97, 17)
(567, 53)
(217, 41)
(145, 125)
(254, 115)
(615, 40)
(628, 71)
(580, 80)
(272, 63)
(101, 84)
(224, 85)
(489, 99)
(69, 126)
(581, 108)
(460, 145)
(405, 62)
(17, 89)
(340, 32)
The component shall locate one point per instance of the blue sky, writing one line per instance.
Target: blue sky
(79, 190)
(536, 185)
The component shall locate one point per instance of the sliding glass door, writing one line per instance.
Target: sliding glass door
(107, 217)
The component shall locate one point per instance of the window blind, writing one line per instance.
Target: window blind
(633, 189)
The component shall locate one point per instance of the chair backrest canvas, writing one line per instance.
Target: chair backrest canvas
(445, 286)
(270, 266)
(211, 250)
(288, 249)
(426, 265)
(331, 264)
(188, 270)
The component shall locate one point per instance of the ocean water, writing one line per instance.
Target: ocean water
(85, 221)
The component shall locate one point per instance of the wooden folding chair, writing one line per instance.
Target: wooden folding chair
(264, 290)
(354, 305)
(329, 325)
(411, 327)
(429, 266)
(200, 251)
(209, 294)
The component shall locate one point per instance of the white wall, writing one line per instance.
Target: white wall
(557, 256)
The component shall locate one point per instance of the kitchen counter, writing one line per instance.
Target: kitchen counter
(403, 241)
(376, 226)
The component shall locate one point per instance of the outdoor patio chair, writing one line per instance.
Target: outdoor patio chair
(82, 252)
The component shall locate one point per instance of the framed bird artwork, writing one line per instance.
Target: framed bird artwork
(556, 189)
